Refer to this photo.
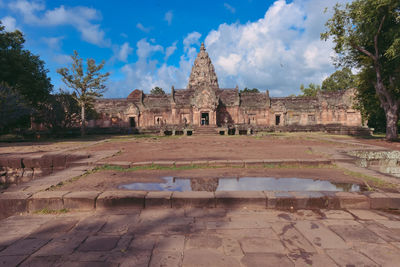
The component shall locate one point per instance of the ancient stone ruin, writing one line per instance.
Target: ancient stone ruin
(204, 107)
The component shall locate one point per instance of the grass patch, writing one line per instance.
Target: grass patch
(74, 179)
(155, 167)
(49, 211)
(194, 167)
(369, 180)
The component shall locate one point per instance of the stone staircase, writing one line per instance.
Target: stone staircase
(206, 130)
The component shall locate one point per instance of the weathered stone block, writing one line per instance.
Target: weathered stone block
(52, 200)
(158, 199)
(197, 199)
(143, 163)
(122, 164)
(13, 202)
(309, 200)
(200, 162)
(392, 201)
(240, 199)
(31, 162)
(165, 163)
(46, 161)
(183, 163)
(352, 200)
(217, 163)
(235, 163)
(113, 199)
(59, 160)
(254, 163)
(3, 162)
(15, 162)
(80, 200)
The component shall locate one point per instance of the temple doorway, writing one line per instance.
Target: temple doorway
(132, 122)
(205, 119)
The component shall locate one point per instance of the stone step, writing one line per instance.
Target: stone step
(17, 202)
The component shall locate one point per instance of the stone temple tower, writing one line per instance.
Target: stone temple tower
(203, 72)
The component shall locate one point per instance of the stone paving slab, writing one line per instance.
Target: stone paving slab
(257, 238)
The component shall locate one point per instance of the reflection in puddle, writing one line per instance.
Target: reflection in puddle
(241, 184)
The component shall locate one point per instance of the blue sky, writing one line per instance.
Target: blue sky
(270, 45)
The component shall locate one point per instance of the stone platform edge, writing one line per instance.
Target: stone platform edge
(19, 202)
(214, 163)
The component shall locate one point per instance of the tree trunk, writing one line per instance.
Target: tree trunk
(83, 121)
(392, 117)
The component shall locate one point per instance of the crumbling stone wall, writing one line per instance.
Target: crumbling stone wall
(18, 169)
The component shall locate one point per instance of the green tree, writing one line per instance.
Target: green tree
(366, 34)
(311, 90)
(368, 101)
(87, 82)
(157, 91)
(247, 90)
(14, 110)
(60, 112)
(340, 80)
(23, 73)
(22, 70)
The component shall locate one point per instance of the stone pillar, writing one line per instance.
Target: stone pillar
(236, 130)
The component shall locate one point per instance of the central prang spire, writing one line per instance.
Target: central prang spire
(203, 73)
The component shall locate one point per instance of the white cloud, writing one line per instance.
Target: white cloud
(145, 49)
(146, 72)
(81, 18)
(9, 23)
(277, 52)
(124, 52)
(168, 17)
(143, 28)
(170, 50)
(62, 59)
(230, 8)
(190, 39)
(53, 43)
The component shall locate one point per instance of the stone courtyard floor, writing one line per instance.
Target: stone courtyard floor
(202, 237)
(196, 237)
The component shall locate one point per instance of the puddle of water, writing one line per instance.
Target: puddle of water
(241, 184)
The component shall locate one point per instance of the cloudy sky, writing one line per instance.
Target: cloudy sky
(272, 45)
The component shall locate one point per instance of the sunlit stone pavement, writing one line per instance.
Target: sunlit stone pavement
(202, 237)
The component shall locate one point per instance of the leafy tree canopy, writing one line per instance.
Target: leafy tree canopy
(311, 90)
(157, 91)
(87, 82)
(248, 90)
(366, 34)
(21, 70)
(14, 110)
(340, 80)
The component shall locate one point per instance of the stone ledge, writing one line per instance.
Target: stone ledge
(240, 199)
(113, 199)
(158, 199)
(13, 202)
(384, 200)
(193, 199)
(349, 200)
(52, 200)
(81, 200)
(23, 201)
